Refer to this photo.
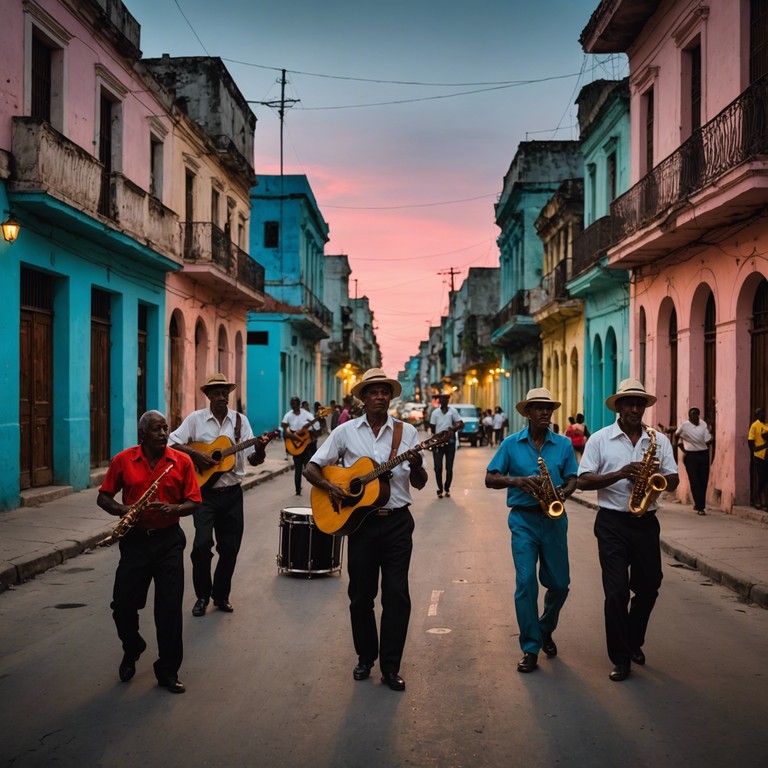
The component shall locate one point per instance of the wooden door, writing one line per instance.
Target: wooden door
(36, 397)
(100, 378)
(175, 374)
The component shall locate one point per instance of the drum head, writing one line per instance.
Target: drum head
(298, 515)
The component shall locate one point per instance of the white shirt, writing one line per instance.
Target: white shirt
(498, 420)
(354, 440)
(297, 421)
(442, 421)
(203, 427)
(695, 436)
(609, 449)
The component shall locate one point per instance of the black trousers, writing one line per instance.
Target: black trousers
(145, 557)
(630, 559)
(381, 545)
(697, 467)
(447, 452)
(221, 513)
(301, 461)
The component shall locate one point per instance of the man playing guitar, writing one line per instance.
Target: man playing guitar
(301, 430)
(380, 548)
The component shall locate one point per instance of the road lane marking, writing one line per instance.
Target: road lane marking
(435, 600)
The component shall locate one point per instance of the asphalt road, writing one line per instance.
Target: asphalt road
(271, 684)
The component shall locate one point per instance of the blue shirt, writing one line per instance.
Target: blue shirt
(517, 456)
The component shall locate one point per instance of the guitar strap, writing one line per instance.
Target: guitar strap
(238, 425)
(397, 434)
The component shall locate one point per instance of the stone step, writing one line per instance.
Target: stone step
(35, 497)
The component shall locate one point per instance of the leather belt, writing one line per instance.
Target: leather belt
(385, 512)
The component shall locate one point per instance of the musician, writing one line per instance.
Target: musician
(535, 535)
(221, 513)
(757, 440)
(297, 419)
(693, 438)
(382, 544)
(628, 546)
(153, 549)
(442, 418)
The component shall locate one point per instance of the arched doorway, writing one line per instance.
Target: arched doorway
(201, 362)
(222, 357)
(175, 368)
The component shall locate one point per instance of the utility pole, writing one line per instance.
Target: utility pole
(280, 105)
(450, 271)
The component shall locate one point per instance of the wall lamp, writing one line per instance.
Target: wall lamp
(11, 228)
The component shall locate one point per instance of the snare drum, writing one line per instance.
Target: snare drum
(303, 548)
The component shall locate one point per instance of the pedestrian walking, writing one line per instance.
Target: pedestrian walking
(693, 438)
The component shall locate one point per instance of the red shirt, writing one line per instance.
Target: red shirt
(131, 473)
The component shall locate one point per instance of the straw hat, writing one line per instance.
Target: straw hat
(376, 376)
(217, 380)
(536, 395)
(629, 388)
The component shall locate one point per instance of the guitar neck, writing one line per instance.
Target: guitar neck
(388, 465)
(245, 444)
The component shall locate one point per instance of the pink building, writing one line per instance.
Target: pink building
(692, 227)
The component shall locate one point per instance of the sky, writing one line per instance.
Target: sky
(407, 117)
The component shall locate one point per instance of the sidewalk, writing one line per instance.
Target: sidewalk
(729, 549)
(34, 539)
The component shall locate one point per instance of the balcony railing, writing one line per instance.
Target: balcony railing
(204, 242)
(315, 307)
(517, 305)
(591, 244)
(48, 162)
(737, 134)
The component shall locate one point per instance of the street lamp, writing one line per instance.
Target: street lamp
(11, 228)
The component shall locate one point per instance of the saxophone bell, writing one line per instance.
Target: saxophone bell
(550, 498)
(649, 484)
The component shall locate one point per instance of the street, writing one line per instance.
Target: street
(271, 684)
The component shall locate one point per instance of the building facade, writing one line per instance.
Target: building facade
(691, 226)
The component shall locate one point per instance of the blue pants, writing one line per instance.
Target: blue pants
(536, 538)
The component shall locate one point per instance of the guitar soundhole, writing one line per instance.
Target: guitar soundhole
(216, 456)
(355, 488)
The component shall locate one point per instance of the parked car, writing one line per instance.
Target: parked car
(470, 415)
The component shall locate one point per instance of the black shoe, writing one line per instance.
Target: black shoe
(362, 671)
(198, 609)
(548, 644)
(619, 672)
(439, 494)
(224, 605)
(638, 657)
(393, 680)
(173, 684)
(528, 663)
(127, 668)
(447, 494)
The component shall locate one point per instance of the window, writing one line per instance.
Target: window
(258, 338)
(610, 172)
(592, 214)
(155, 167)
(215, 206)
(641, 343)
(41, 80)
(271, 234)
(241, 232)
(690, 109)
(758, 39)
(648, 103)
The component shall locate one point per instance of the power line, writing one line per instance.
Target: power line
(192, 28)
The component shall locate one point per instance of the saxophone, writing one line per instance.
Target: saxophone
(648, 484)
(131, 517)
(550, 498)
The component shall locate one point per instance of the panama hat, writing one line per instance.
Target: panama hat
(217, 380)
(376, 376)
(629, 388)
(536, 395)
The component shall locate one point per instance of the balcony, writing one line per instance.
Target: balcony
(717, 177)
(591, 245)
(60, 184)
(551, 303)
(213, 261)
(514, 324)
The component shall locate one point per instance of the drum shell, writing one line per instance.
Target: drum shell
(303, 548)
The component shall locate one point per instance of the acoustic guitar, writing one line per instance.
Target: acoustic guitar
(296, 442)
(366, 484)
(222, 450)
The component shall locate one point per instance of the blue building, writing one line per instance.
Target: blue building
(533, 177)
(288, 237)
(604, 125)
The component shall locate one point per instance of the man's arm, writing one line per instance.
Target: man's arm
(418, 477)
(530, 485)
